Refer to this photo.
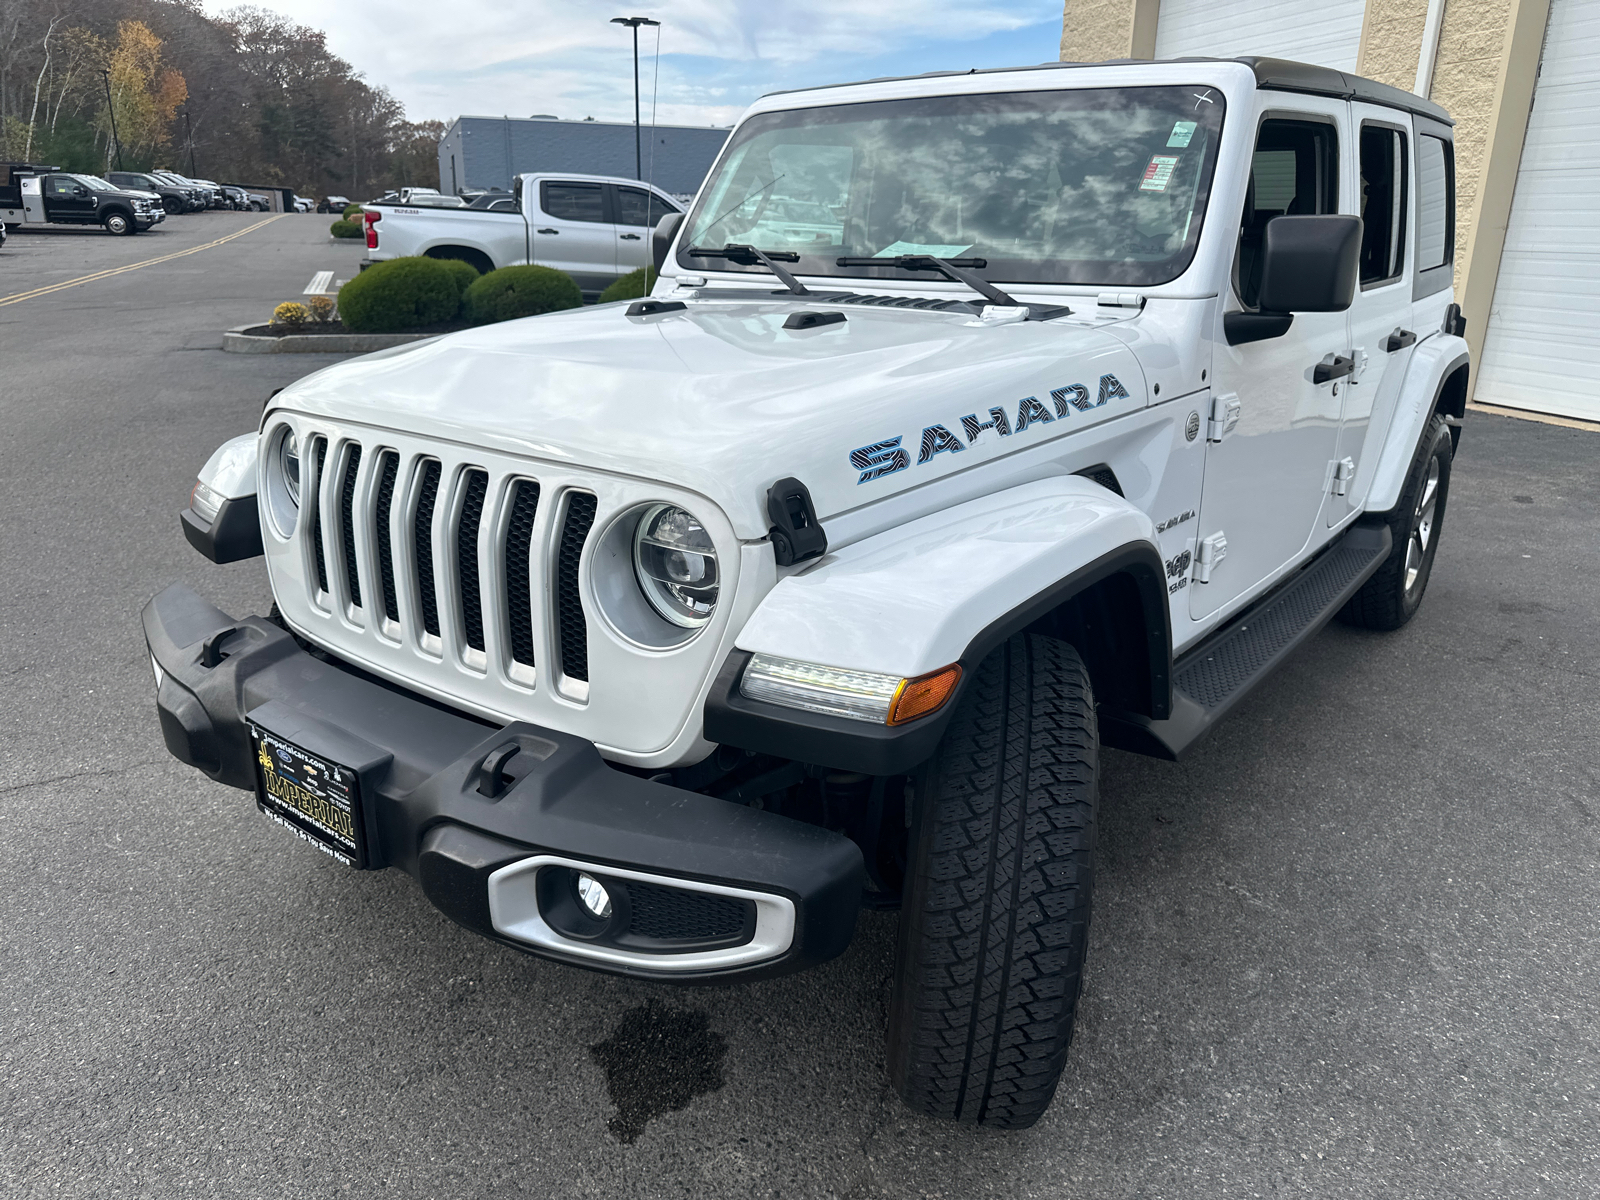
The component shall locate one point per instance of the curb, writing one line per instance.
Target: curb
(355, 241)
(237, 341)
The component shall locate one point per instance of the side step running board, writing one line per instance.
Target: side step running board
(1214, 676)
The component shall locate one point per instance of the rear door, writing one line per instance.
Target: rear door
(636, 211)
(572, 232)
(1381, 330)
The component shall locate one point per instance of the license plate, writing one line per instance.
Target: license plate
(317, 800)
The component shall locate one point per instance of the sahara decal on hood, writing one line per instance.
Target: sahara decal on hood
(888, 456)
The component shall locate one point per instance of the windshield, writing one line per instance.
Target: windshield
(1090, 186)
(98, 184)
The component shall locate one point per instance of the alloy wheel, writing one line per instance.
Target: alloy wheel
(1422, 526)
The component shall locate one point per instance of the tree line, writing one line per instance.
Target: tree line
(248, 96)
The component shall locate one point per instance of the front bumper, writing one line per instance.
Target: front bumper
(488, 844)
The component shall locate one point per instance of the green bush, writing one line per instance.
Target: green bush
(513, 292)
(345, 229)
(400, 294)
(632, 286)
(464, 273)
(351, 209)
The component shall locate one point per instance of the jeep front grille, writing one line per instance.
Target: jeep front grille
(444, 518)
(496, 582)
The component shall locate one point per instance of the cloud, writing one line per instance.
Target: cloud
(442, 58)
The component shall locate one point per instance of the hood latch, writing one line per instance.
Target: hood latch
(796, 536)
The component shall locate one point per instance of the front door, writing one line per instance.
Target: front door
(572, 233)
(63, 202)
(1381, 329)
(1265, 479)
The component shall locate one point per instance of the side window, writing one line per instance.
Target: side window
(1294, 172)
(62, 185)
(635, 206)
(573, 201)
(1383, 203)
(1436, 203)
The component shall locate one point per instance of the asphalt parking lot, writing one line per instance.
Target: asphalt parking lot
(1348, 949)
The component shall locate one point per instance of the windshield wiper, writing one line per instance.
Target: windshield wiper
(749, 256)
(950, 268)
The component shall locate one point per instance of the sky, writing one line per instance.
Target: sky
(445, 58)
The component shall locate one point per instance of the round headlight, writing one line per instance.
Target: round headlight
(289, 460)
(676, 565)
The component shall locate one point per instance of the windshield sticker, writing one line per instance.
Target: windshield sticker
(1182, 132)
(883, 458)
(932, 251)
(1158, 175)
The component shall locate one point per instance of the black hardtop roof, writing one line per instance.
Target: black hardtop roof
(1272, 74)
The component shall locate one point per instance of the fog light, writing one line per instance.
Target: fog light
(594, 896)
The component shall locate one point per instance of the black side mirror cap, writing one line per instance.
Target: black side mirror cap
(1310, 264)
(1242, 327)
(661, 238)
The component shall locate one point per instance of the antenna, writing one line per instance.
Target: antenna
(650, 179)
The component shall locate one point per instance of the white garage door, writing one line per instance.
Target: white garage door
(1541, 350)
(1325, 32)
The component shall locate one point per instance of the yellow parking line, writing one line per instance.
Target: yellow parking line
(149, 262)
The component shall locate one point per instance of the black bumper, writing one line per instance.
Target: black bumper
(421, 766)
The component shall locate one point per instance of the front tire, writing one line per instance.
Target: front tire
(1394, 593)
(119, 224)
(995, 924)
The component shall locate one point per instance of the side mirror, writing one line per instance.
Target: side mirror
(661, 238)
(1309, 264)
(80, 190)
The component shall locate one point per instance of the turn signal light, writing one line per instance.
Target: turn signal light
(925, 694)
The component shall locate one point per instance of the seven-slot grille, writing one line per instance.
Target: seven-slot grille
(429, 526)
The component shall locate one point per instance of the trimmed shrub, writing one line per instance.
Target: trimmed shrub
(290, 312)
(633, 286)
(345, 229)
(513, 292)
(464, 273)
(400, 294)
(352, 211)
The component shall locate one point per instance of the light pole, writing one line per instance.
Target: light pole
(112, 110)
(188, 133)
(634, 23)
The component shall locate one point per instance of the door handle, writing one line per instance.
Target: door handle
(1334, 366)
(1399, 339)
(547, 231)
(630, 237)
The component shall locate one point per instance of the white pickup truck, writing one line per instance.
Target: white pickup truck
(593, 227)
(977, 421)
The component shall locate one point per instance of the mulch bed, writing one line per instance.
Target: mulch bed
(315, 329)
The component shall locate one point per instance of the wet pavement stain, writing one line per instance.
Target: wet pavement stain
(656, 1060)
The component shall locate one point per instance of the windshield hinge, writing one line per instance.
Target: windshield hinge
(796, 535)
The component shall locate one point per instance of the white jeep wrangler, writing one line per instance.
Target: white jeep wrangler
(976, 421)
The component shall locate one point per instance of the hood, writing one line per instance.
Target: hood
(720, 399)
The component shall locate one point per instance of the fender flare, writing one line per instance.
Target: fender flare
(946, 588)
(1433, 363)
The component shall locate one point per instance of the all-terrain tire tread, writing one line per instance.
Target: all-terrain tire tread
(995, 927)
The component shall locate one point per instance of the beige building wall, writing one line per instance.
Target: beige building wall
(1097, 30)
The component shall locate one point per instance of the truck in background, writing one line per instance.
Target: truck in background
(34, 194)
(596, 228)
